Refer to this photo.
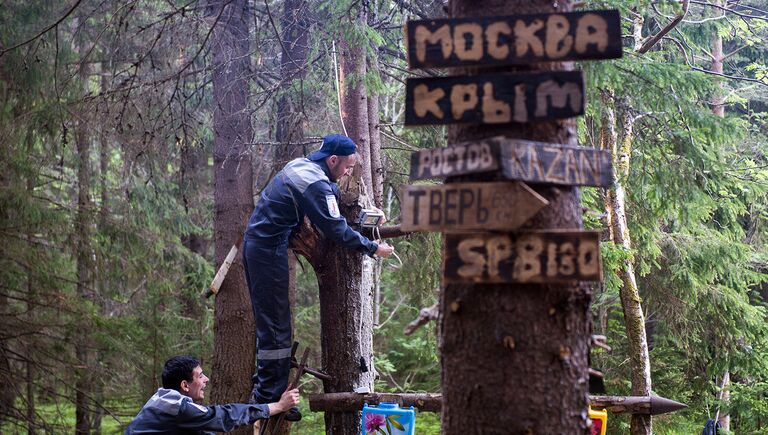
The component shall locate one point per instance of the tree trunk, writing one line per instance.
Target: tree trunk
(718, 108)
(634, 318)
(84, 265)
(374, 130)
(82, 254)
(289, 132)
(506, 350)
(29, 345)
(377, 178)
(344, 277)
(295, 22)
(233, 360)
(718, 100)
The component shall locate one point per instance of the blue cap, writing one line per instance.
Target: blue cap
(334, 145)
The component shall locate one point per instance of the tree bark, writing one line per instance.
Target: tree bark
(615, 205)
(234, 342)
(374, 130)
(82, 255)
(344, 277)
(294, 24)
(295, 36)
(506, 350)
(29, 363)
(634, 318)
(718, 100)
(718, 108)
(83, 217)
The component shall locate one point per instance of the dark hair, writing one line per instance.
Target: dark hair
(177, 369)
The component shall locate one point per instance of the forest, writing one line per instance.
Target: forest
(137, 135)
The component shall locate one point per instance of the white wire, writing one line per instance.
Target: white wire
(377, 237)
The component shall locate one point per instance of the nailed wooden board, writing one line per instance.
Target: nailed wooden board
(462, 207)
(459, 159)
(494, 98)
(540, 162)
(514, 40)
(536, 162)
(525, 257)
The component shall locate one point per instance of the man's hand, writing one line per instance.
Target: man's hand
(384, 250)
(289, 399)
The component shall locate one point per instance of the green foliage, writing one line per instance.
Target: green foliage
(697, 201)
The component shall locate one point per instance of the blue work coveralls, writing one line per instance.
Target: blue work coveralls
(172, 413)
(302, 188)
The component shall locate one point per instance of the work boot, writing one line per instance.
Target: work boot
(293, 414)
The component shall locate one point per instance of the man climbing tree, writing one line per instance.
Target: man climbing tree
(305, 187)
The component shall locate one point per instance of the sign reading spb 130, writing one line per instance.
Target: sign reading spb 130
(529, 257)
(514, 40)
(494, 98)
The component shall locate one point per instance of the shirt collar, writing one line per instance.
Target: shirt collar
(324, 167)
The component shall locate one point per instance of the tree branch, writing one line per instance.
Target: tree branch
(44, 31)
(650, 42)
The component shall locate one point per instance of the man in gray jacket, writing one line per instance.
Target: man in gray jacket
(172, 409)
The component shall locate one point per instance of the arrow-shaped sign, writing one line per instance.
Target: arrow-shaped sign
(463, 207)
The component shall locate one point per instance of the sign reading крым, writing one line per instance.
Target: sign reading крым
(494, 98)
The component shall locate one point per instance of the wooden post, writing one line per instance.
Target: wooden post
(508, 349)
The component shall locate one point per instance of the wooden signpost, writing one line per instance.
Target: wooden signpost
(514, 40)
(529, 257)
(460, 159)
(461, 207)
(479, 219)
(494, 98)
(556, 164)
(536, 162)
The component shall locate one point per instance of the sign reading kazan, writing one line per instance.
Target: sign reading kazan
(468, 206)
(494, 98)
(556, 164)
(523, 160)
(514, 40)
(529, 257)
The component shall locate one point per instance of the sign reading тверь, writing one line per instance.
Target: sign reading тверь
(514, 40)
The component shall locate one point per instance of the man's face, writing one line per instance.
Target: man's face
(195, 388)
(340, 165)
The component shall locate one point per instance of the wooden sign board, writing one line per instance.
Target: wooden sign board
(459, 159)
(540, 162)
(536, 162)
(514, 40)
(494, 98)
(526, 257)
(462, 207)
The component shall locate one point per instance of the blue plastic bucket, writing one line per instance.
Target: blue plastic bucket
(388, 419)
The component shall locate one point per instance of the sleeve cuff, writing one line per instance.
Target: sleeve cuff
(372, 249)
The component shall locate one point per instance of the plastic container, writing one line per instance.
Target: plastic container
(599, 421)
(388, 419)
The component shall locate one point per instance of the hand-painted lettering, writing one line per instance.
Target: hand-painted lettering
(538, 256)
(442, 36)
(514, 40)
